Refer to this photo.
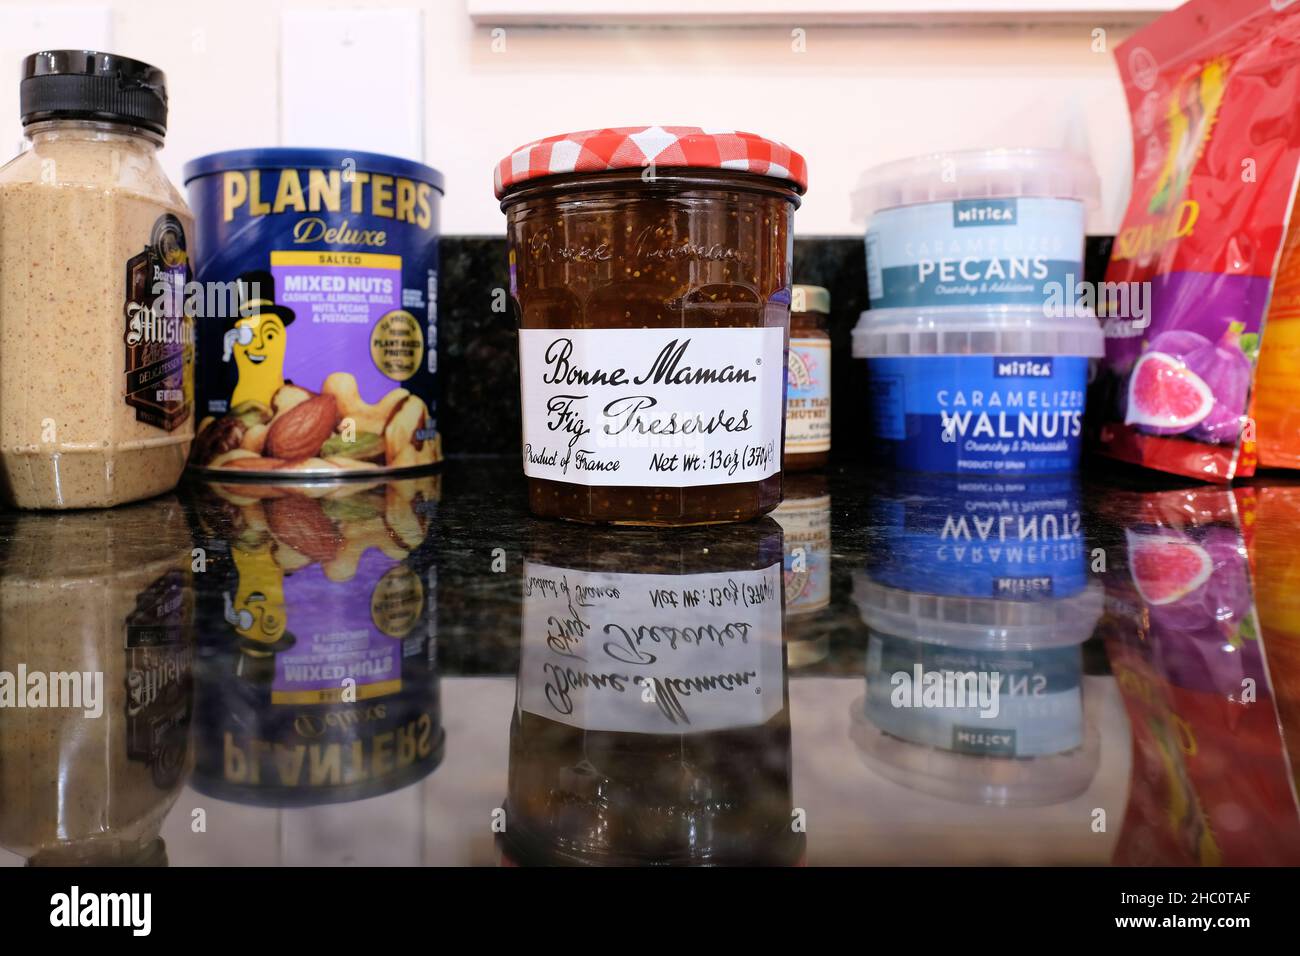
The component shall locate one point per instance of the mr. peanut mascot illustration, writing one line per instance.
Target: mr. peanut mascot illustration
(258, 339)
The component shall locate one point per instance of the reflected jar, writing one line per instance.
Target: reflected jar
(652, 711)
(101, 605)
(653, 308)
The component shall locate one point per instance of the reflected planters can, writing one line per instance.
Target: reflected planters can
(317, 275)
(650, 273)
(317, 678)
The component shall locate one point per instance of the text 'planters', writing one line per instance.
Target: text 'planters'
(317, 300)
(991, 390)
(650, 269)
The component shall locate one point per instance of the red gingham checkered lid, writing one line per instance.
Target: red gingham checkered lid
(635, 147)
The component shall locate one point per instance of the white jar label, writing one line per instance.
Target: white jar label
(652, 407)
(808, 398)
(652, 653)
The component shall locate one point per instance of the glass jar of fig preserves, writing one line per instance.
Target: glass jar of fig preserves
(650, 270)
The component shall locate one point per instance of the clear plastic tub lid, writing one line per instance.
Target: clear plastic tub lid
(978, 623)
(976, 174)
(974, 778)
(978, 330)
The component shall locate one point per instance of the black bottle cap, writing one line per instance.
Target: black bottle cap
(83, 84)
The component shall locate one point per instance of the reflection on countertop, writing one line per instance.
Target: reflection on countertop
(888, 669)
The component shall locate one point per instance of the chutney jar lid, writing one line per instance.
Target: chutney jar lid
(639, 147)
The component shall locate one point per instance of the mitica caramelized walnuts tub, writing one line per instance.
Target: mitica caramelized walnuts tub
(96, 351)
(650, 267)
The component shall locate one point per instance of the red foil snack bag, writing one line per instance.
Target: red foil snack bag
(1211, 776)
(1212, 91)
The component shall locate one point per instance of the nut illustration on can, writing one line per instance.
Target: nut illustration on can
(323, 360)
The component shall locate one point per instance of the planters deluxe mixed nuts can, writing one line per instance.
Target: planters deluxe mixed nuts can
(316, 296)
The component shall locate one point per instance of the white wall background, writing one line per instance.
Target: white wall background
(424, 81)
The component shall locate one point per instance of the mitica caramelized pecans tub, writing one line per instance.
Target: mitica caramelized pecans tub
(317, 274)
(977, 227)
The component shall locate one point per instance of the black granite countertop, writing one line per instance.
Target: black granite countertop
(889, 670)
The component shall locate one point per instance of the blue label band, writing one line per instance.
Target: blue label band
(973, 252)
(979, 414)
(1039, 703)
(1006, 539)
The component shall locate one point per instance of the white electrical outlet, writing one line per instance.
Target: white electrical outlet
(353, 79)
(26, 29)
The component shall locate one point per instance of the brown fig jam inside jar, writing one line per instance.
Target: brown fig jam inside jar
(653, 307)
